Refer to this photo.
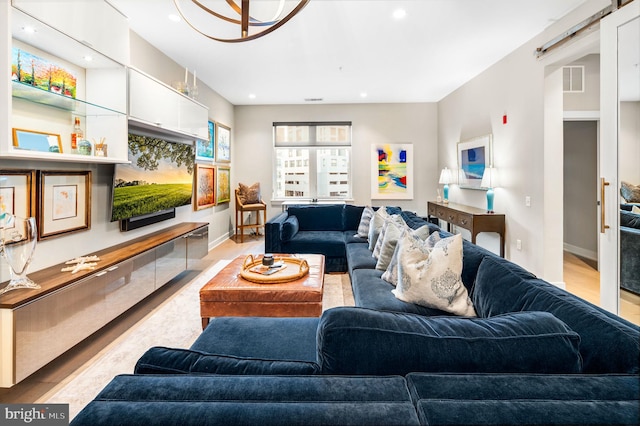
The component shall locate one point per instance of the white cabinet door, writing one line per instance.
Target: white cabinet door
(151, 102)
(193, 118)
(96, 24)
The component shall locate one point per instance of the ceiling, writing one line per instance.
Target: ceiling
(351, 51)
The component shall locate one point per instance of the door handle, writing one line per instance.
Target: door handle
(603, 225)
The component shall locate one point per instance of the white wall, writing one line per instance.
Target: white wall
(517, 86)
(252, 151)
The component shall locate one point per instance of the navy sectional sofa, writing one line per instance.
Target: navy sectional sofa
(535, 354)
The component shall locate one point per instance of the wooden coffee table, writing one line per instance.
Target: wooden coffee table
(228, 294)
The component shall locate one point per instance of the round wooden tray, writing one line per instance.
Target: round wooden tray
(295, 269)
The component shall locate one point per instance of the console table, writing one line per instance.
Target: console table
(36, 326)
(473, 219)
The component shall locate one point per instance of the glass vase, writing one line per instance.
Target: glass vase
(18, 237)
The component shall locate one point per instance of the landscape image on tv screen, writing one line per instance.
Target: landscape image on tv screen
(159, 177)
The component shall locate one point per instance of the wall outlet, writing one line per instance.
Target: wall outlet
(519, 244)
(527, 201)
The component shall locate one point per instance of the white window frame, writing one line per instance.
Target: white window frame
(313, 146)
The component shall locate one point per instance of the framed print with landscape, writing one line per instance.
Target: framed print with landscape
(205, 186)
(17, 192)
(473, 156)
(64, 204)
(32, 140)
(223, 185)
(392, 171)
(205, 149)
(223, 143)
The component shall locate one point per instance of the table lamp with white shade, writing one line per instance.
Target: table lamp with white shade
(489, 181)
(445, 179)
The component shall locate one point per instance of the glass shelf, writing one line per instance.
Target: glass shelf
(55, 100)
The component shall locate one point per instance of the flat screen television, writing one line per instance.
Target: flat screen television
(159, 178)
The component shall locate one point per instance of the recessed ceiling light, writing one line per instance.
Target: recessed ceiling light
(252, 96)
(174, 18)
(399, 13)
(363, 94)
(29, 30)
(88, 58)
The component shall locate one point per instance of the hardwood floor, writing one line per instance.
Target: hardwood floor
(583, 280)
(43, 381)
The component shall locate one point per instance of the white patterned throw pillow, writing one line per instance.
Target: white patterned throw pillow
(432, 277)
(395, 219)
(391, 273)
(375, 226)
(365, 220)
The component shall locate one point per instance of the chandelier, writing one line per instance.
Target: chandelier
(225, 16)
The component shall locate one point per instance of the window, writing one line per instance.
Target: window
(313, 160)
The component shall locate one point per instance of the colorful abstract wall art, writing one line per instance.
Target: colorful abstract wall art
(32, 70)
(392, 171)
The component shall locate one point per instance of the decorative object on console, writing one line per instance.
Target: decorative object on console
(445, 179)
(17, 192)
(64, 202)
(205, 148)
(18, 238)
(392, 171)
(473, 156)
(251, 26)
(205, 186)
(223, 143)
(489, 181)
(32, 140)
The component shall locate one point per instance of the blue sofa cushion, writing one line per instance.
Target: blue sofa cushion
(548, 412)
(364, 341)
(561, 387)
(503, 287)
(250, 400)
(351, 216)
(254, 337)
(629, 219)
(359, 256)
(161, 360)
(318, 217)
(371, 291)
(290, 228)
(329, 243)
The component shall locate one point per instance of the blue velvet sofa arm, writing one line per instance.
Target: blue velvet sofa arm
(629, 259)
(273, 233)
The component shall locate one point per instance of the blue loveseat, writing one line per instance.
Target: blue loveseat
(534, 354)
(629, 249)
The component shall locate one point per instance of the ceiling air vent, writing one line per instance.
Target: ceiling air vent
(313, 99)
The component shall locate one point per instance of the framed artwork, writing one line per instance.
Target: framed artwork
(34, 71)
(205, 186)
(205, 149)
(473, 156)
(223, 189)
(392, 171)
(32, 140)
(17, 192)
(223, 143)
(64, 204)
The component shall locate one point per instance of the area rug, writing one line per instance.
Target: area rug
(175, 323)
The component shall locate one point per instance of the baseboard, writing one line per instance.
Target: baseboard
(215, 243)
(579, 251)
